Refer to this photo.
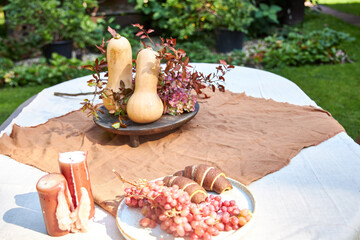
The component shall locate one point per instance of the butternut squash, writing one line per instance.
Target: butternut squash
(119, 60)
(145, 106)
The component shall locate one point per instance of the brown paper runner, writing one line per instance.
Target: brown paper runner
(246, 137)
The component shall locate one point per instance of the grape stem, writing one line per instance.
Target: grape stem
(123, 179)
(170, 213)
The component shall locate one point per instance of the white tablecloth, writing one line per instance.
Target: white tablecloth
(317, 196)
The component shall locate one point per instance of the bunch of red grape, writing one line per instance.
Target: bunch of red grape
(177, 215)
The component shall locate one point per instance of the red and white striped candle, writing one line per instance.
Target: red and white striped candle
(73, 165)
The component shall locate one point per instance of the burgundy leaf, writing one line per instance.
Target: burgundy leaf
(172, 49)
(112, 31)
(103, 64)
(103, 43)
(223, 62)
(169, 56)
(88, 67)
(186, 62)
(163, 51)
(167, 67)
(102, 50)
(181, 51)
(221, 88)
(138, 25)
(139, 33)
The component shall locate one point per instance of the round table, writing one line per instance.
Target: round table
(316, 196)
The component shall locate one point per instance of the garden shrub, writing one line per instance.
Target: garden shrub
(52, 20)
(17, 49)
(59, 70)
(265, 20)
(33, 24)
(297, 49)
(183, 18)
(6, 63)
(290, 48)
(178, 18)
(234, 15)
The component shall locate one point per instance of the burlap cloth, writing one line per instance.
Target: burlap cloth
(246, 137)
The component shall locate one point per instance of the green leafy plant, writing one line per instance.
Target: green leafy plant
(266, 11)
(265, 20)
(234, 15)
(45, 21)
(17, 49)
(297, 49)
(179, 18)
(6, 63)
(184, 18)
(59, 70)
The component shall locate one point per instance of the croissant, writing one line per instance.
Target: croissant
(196, 192)
(211, 178)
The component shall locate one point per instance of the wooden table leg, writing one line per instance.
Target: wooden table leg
(134, 141)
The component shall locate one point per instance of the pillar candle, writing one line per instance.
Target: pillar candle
(73, 166)
(55, 203)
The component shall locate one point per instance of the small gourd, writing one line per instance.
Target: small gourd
(119, 60)
(145, 106)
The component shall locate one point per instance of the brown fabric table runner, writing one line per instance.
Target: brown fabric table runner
(246, 137)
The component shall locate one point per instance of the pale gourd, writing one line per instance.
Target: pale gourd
(145, 106)
(119, 60)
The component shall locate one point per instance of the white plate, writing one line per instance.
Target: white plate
(128, 218)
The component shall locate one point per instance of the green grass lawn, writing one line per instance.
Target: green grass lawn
(348, 6)
(335, 88)
(17, 96)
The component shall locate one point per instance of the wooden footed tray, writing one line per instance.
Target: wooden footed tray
(134, 130)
